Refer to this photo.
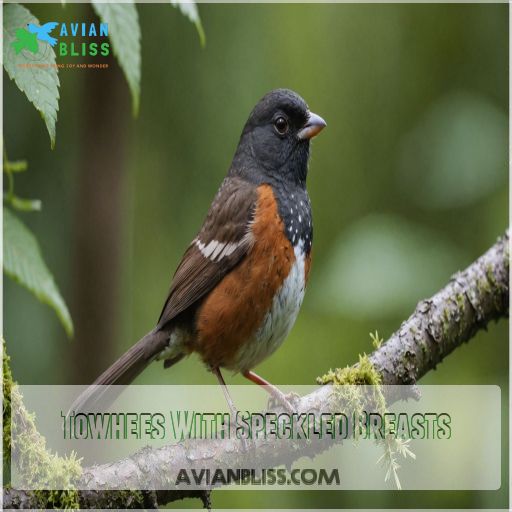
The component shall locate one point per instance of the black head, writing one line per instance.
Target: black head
(275, 140)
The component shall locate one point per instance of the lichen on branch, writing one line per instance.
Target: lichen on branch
(31, 459)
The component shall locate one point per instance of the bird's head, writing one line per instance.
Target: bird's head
(276, 138)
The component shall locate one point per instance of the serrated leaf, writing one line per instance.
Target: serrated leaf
(35, 74)
(124, 34)
(24, 263)
(189, 9)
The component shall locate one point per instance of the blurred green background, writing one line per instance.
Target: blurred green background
(409, 183)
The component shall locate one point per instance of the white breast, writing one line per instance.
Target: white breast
(279, 320)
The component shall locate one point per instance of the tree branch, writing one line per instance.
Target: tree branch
(440, 324)
(451, 317)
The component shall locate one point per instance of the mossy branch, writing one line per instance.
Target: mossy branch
(35, 461)
(440, 324)
(472, 299)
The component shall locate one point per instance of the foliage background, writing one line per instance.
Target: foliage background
(408, 183)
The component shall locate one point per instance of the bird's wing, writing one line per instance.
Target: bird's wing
(48, 27)
(222, 242)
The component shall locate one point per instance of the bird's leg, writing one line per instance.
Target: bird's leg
(229, 400)
(275, 393)
(227, 396)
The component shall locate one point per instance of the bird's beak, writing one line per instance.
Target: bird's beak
(314, 125)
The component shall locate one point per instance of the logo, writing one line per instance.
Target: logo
(74, 39)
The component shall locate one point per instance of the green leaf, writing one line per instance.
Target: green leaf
(35, 74)
(189, 9)
(124, 33)
(24, 263)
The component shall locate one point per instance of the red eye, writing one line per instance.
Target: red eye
(281, 125)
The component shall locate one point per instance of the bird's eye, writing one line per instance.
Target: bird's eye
(281, 125)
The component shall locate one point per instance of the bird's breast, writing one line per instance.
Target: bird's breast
(295, 210)
(249, 313)
(280, 317)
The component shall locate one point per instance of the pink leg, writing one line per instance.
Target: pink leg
(270, 389)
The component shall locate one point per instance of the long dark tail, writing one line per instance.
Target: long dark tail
(123, 371)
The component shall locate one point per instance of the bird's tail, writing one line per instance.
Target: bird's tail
(123, 371)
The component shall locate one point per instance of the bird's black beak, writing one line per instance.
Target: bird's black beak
(314, 125)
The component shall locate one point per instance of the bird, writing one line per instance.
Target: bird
(43, 32)
(238, 289)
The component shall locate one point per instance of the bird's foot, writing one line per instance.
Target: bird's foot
(236, 430)
(278, 398)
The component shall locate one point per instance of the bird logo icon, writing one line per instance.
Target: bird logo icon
(27, 38)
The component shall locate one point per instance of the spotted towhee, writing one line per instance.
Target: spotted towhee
(240, 284)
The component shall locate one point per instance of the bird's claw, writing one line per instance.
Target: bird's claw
(286, 401)
(232, 432)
